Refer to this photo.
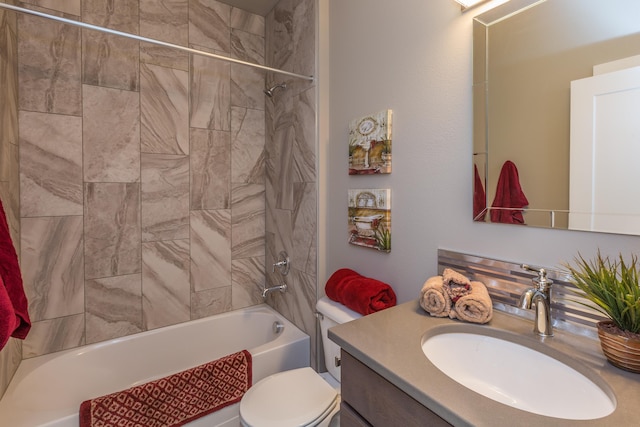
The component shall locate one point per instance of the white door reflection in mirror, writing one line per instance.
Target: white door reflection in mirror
(604, 174)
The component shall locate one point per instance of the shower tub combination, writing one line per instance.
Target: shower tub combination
(46, 391)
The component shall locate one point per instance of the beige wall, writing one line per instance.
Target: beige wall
(414, 57)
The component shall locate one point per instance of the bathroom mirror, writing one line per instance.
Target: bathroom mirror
(526, 54)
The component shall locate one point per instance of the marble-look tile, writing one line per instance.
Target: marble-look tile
(210, 93)
(8, 92)
(210, 302)
(114, 307)
(278, 224)
(165, 197)
(248, 278)
(11, 211)
(209, 22)
(247, 87)
(165, 283)
(10, 197)
(112, 229)
(304, 227)
(10, 358)
(111, 135)
(164, 56)
(49, 68)
(50, 164)
(121, 15)
(210, 169)
(53, 335)
(247, 47)
(279, 165)
(247, 145)
(210, 249)
(247, 220)
(305, 140)
(164, 109)
(298, 303)
(166, 20)
(71, 7)
(290, 162)
(246, 21)
(53, 266)
(110, 61)
(290, 34)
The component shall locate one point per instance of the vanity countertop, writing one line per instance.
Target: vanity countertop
(389, 342)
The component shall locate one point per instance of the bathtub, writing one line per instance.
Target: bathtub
(46, 391)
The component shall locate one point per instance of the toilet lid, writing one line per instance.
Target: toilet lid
(287, 399)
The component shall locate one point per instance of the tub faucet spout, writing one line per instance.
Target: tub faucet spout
(282, 288)
(539, 298)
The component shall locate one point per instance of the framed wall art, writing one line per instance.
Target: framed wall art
(370, 218)
(370, 144)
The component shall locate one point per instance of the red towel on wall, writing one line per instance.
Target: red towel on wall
(14, 317)
(509, 194)
(361, 294)
(479, 197)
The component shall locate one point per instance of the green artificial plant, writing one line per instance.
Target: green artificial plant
(612, 288)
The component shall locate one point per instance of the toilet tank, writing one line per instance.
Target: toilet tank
(332, 314)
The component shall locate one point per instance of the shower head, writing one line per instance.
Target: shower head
(269, 92)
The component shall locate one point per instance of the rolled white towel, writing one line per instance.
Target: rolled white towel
(433, 299)
(475, 307)
(455, 284)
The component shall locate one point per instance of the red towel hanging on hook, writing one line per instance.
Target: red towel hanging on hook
(509, 195)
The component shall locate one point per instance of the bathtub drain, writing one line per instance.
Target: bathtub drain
(277, 327)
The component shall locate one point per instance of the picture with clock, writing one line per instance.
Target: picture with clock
(370, 144)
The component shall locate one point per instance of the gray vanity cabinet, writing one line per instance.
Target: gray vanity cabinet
(370, 400)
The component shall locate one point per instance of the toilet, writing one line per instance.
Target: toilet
(301, 397)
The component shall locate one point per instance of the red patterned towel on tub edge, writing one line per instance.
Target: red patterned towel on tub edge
(174, 400)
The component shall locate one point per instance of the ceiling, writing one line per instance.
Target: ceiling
(259, 7)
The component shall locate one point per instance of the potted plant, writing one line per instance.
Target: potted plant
(612, 288)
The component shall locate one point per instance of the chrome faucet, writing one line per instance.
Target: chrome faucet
(283, 265)
(282, 288)
(539, 298)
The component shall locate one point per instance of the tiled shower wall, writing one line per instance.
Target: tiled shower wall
(141, 168)
(11, 355)
(291, 217)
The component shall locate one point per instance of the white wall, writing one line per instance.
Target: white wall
(414, 56)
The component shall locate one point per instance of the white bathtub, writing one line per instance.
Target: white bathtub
(46, 391)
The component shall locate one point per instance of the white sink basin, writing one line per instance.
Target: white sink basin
(518, 376)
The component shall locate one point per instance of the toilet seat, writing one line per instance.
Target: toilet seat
(299, 397)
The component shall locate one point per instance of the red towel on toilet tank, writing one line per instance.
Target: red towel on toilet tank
(14, 318)
(361, 294)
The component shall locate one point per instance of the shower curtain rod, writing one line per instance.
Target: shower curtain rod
(152, 41)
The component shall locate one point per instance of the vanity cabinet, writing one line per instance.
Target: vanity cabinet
(370, 400)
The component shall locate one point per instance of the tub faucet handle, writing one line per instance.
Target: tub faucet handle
(282, 264)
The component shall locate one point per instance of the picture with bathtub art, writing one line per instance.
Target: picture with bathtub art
(370, 218)
(370, 144)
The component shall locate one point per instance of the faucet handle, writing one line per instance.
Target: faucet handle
(541, 281)
(282, 264)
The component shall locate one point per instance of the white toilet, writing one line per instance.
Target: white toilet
(300, 397)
